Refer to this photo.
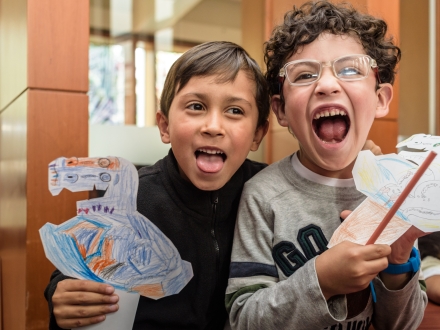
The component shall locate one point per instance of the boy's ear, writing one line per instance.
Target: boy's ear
(259, 135)
(162, 123)
(384, 97)
(278, 108)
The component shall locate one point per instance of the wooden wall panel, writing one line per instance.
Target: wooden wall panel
(437, 64)
(1, 309)
(253, 37)
(385, 131)
(59, 60)
(389, 11)
(13, 213)
(43, 51)
(57, 127)
(414, 68)
(286, 144)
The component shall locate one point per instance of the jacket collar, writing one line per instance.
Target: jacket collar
(197, 201)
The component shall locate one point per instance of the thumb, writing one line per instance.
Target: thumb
(345, 214)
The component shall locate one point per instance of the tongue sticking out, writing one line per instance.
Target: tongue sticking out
(209, 163)
(332, 130)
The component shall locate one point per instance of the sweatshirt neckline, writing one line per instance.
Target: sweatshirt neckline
(314, 177)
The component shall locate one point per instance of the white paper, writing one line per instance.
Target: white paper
(123, 318)
(382, 179)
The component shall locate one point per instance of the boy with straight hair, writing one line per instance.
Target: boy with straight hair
(330, 69)
(213, 111)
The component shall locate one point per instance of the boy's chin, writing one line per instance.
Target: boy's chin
(338, 169)
(333, 166)
(209, 186)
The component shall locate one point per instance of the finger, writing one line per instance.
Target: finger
(79, 312)
(376, 150)
(413, 233)
(375, 266)
(370, 145)
(75, 323)
(376, 251)
(345, 214)
(83, 298)
(85, 286)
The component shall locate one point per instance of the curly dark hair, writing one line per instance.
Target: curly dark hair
(303, 25)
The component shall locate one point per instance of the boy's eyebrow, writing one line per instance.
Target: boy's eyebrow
(238, 99)
(229, 99)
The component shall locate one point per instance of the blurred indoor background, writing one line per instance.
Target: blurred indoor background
(81, 78)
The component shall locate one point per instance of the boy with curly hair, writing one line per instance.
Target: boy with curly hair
(330, 69)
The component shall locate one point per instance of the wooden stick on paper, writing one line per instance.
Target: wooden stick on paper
(416, 177)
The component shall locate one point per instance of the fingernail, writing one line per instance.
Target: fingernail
(109, 289)
(113, 308)
(100, 318)
(114, 299)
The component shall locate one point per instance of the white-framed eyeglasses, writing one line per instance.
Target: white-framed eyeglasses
(346, 68)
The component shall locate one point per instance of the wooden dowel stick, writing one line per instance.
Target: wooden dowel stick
(416, 177)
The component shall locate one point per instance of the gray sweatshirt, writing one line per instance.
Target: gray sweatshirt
(285, 220)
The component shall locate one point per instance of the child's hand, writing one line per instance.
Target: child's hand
(400, 253)
(375, 149)
(80, 302)
(348, 267)
(401, 248)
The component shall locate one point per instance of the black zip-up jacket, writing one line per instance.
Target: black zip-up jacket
(201, 226)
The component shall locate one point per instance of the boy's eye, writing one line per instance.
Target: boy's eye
(305, 77)
(235, 111)
(195, 106)
(349, 72)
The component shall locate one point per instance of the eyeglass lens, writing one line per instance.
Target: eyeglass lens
(345, 68)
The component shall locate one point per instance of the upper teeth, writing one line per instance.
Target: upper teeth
(213, 152)
(328, 113)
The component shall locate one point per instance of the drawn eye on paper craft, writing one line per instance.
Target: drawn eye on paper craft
(382, 179)
(109, 241)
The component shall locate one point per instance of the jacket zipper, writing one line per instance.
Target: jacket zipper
(214, 238)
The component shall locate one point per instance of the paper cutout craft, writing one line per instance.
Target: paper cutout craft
(401, 198)
(382, 179)
(109, 241)
(421, 142)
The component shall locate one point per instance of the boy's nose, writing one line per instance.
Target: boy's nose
(213, 124)
(327, 84)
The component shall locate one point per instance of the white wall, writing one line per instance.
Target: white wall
(139, 145)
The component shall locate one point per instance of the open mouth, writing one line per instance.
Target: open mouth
(210, 160)
(331, 125)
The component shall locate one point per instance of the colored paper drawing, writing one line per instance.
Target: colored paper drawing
(382, 179)
(421, 142)
(109, 241)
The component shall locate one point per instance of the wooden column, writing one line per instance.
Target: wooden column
(437, 64)
(253, 36)
(384, 131)
(44, 108)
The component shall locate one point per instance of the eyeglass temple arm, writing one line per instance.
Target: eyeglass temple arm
(376, 72)
(281, 79)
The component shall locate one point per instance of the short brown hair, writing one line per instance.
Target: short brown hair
(221, 58)
(303, 25)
